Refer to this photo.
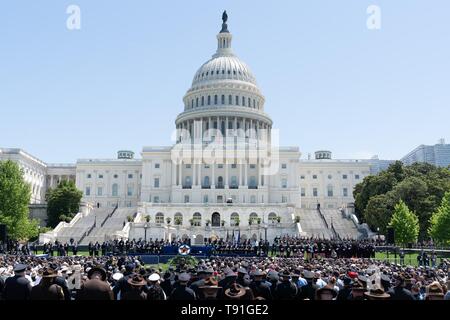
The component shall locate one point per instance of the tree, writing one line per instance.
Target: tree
(439, 228)
(15, 197)
(405, 224)
(63, 203)
(421, 186)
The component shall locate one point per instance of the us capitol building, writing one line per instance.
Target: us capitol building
(225, 174)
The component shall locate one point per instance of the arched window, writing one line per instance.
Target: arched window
(115, 190)
(330, 190)
(249, 102)
(252, 182)
(253, 199)
(234, 219)
(237, 100)
(197, 219)
(187, 182)
(215, 99)
(159, 218)
(209, 100)
(206, 182)
(233, 182)
(178, 219)
(196, 102)
(230, 99)
(254, 103)
(203, 101)
(223, 99)
(192, 103)
(272, 217)
(220, 182)
(243, 101)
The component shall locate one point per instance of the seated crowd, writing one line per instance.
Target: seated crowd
(219, 278)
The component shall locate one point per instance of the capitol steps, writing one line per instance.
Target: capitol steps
(312, 224)
(112, 224)
(344, 227)
(82, 225)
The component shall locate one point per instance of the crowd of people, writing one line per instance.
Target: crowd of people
(24, 277)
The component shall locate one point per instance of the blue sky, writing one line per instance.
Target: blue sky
(118, 82)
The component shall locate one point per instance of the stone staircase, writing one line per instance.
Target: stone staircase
(112, 224)
(344, 227)
(312, 224)
(83, 225)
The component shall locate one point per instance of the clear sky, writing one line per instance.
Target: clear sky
(118, 82)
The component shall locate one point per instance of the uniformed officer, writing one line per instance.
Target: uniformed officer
(17, 287)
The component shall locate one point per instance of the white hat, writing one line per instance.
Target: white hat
(154, 277)
(64, 268)
(117, 276)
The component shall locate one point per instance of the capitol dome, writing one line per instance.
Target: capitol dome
(224, 93)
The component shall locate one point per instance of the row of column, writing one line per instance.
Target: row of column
(197, 178)
(199, 127)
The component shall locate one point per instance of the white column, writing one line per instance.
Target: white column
(180, 175)
(200, 173)
(226, 174)
(245, 172)
(235, 126)
(213, 180)
(174, 173)
(240, 172)
(194, 171)
(51, 181)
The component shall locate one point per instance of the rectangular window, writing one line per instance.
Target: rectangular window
(99, 191)
(156, 183)
(156, 199)
(88, 191)
(284, 183)
(100, 176)
(330, 191)
(237, 100)
(130, 176)
(188, 166)
(345, 192)
(205, 198)
(344, 176)
(156, 165)
(315, 193)
(206, 166)
(130, 191)
(89, 176)
(233, 166)
(116, 176)
(303, 192)
(219, 199)
(302, 177)
(284, 199)
(230, 99)
(186, 199)
(357, 176)
(283, 166)
(252, 166)
(314, 176)
(220, 166)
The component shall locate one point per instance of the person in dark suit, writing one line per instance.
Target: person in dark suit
(122, 285)
(137, 284)
(17, 287)
(345, 292)
(182, 292)
(309, 290)
(203, 274)
(96, 288)
(259, 288)
(47, 289)
(399, 292)
(285, 290)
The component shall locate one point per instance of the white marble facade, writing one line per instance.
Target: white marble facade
(224, 104)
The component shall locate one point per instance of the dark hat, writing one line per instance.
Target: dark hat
(130, 267)
(377, 293)
(20, 267)
(362, 278)
(347, 280)
(184, 277)
(235, 291)
(273, 275)
(285, 274)
(242, 271)
(48, 273)
(210, 282)
(257, 273)
(99, 270)
(358, 286)
(137, 280)
(230, 273)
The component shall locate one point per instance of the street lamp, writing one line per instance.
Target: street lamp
(145, 231)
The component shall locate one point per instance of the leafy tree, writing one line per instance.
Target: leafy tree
(14, 200)
(63, 202)
(439, 228)
(405, 224)
(421, 186)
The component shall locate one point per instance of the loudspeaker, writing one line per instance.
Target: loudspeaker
(3, 233)
(390, 235)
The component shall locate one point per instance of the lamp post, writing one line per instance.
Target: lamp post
(145, 231)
